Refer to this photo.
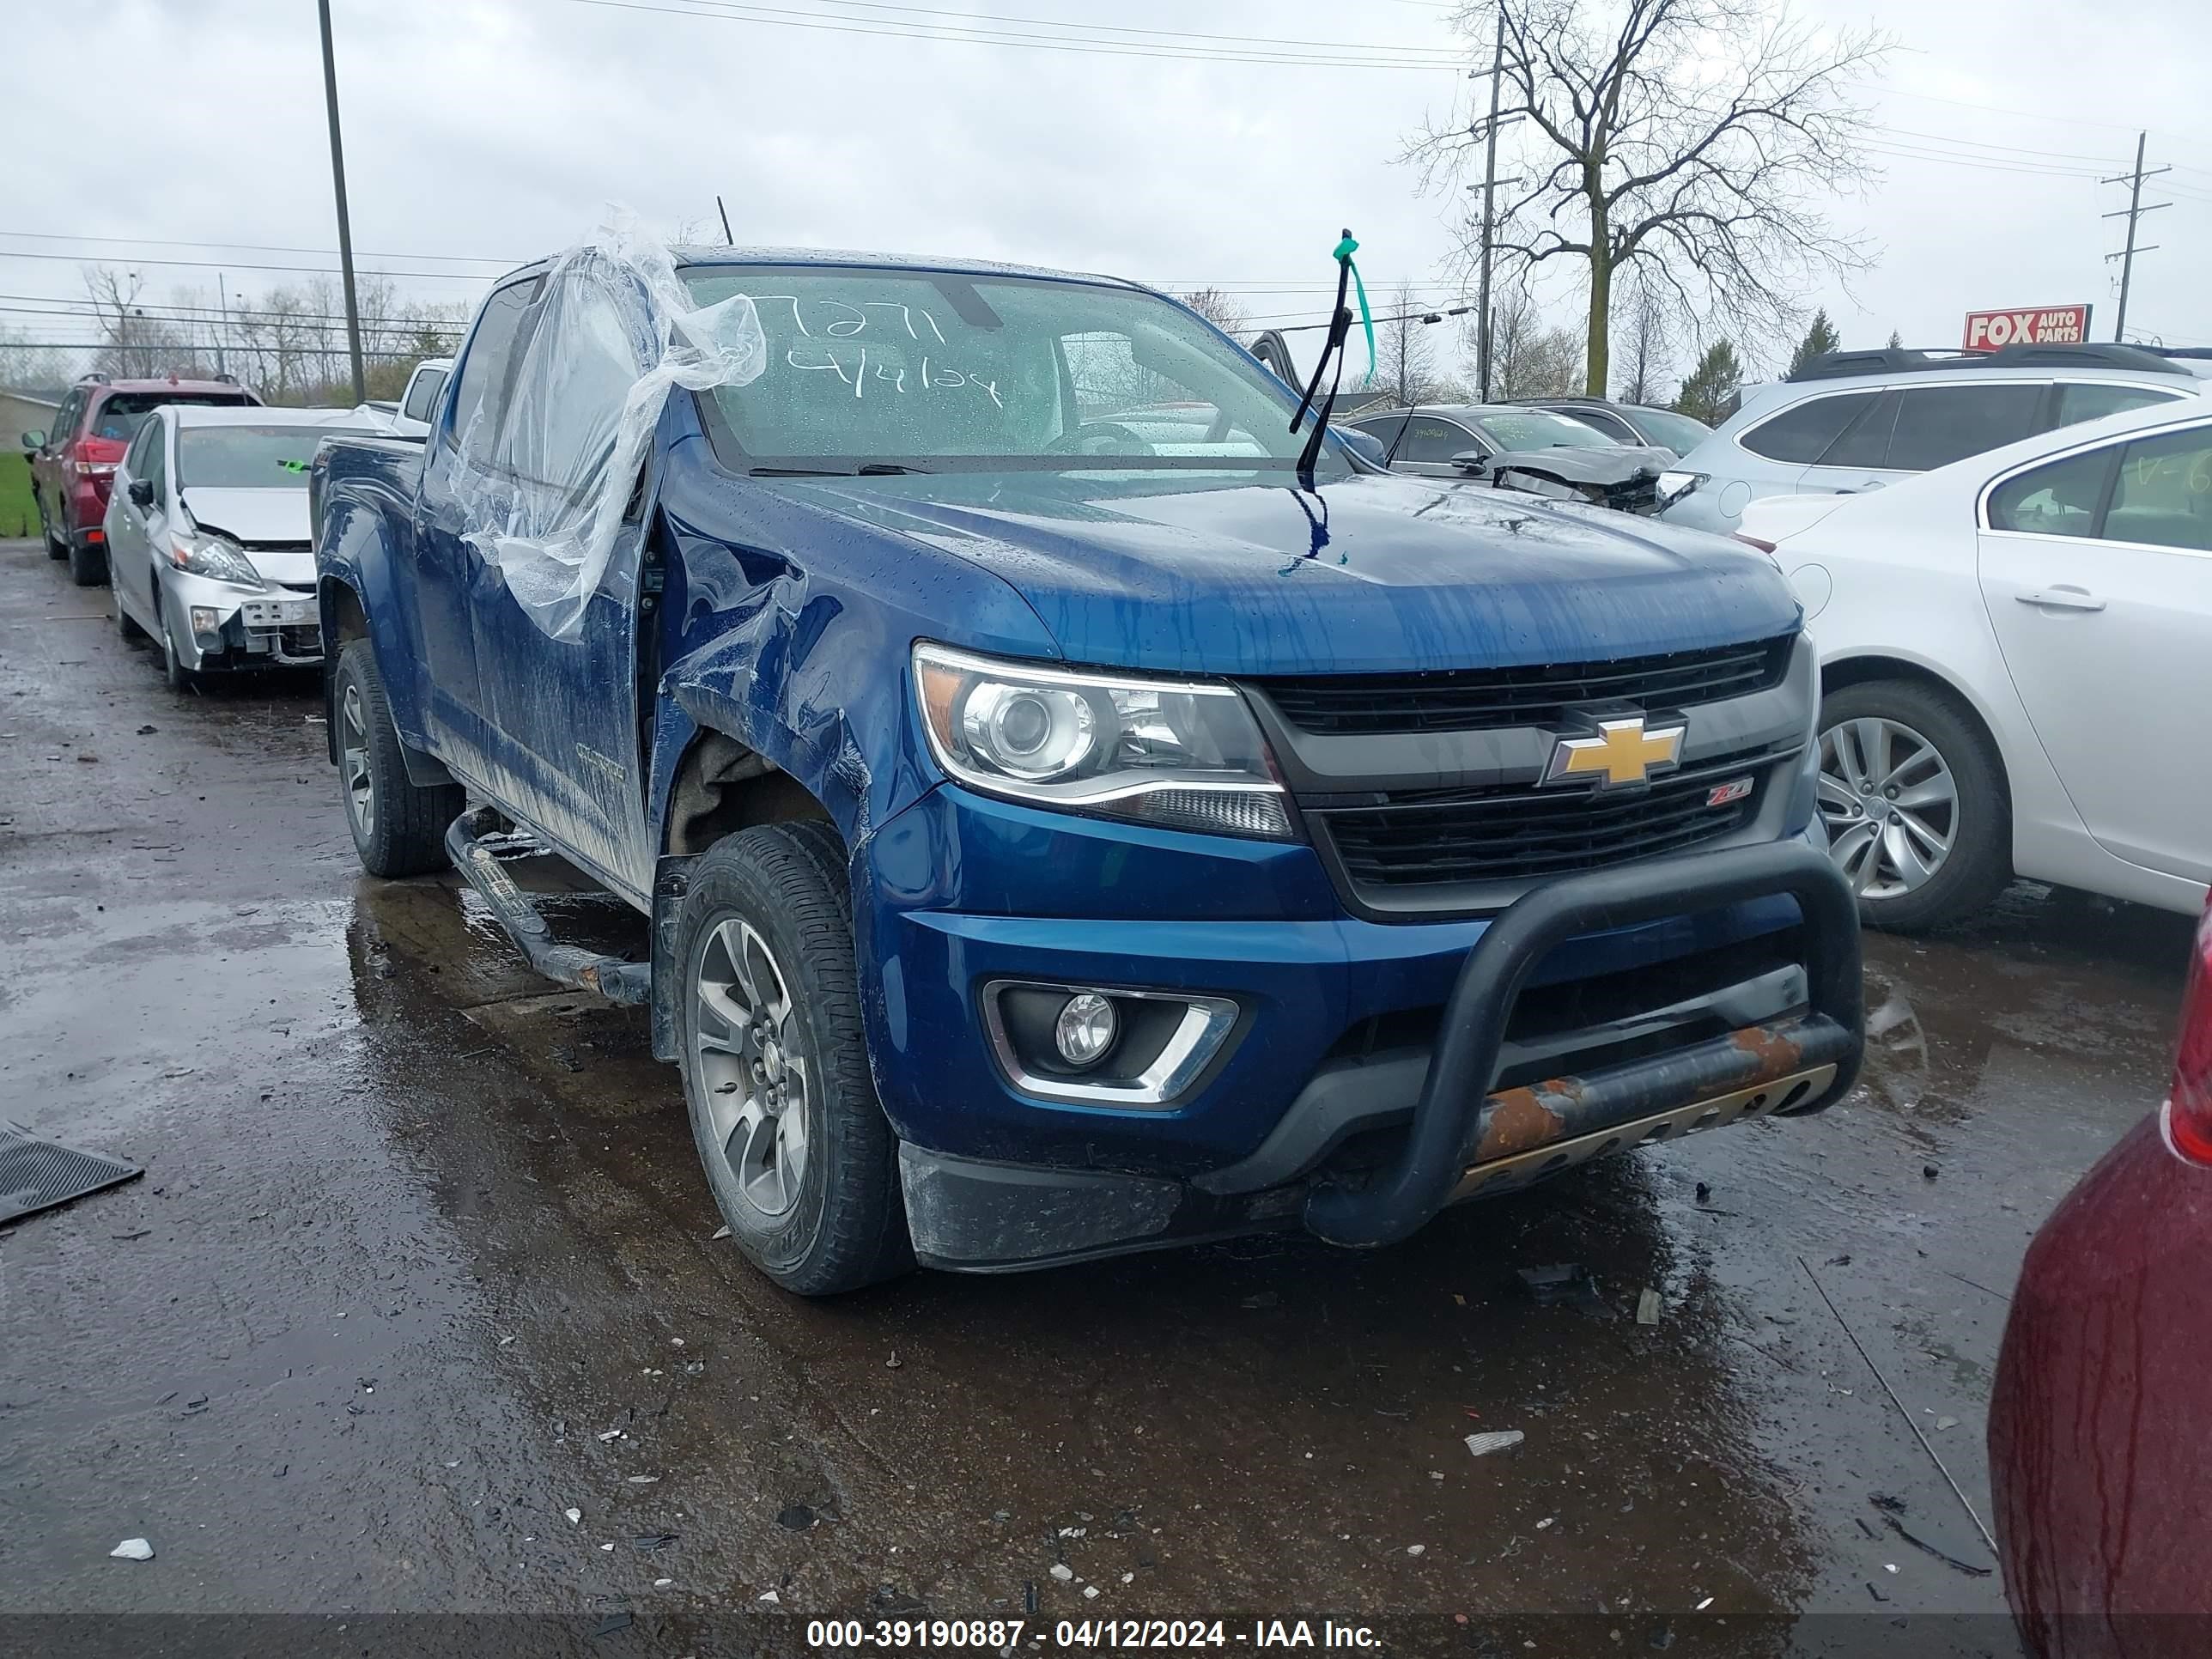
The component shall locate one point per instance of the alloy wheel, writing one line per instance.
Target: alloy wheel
(1889, 803)
(353, 762)
(751, 1074)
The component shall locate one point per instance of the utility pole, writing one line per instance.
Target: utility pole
(338, 182)
(2134, 210)
(1489, 200)
(222, 326)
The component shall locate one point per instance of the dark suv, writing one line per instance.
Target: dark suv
(1628, 423)
(71, 466)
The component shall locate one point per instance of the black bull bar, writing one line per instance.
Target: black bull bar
(1458, 1122)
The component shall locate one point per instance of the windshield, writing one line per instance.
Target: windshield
(123, 412)
(942, 372)
(248, 457)
(1539, 429)
(1676, 432)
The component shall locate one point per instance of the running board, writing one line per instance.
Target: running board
(628, 983)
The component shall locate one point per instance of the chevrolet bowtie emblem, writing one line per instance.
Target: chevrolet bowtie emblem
(1623, 751)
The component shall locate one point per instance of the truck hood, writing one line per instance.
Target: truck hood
(1587, 463)
(1191, 572)
(270, 524)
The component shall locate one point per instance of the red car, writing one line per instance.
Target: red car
(2103, 1483)
(72, 464)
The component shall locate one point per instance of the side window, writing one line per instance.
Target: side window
(1799, 434)
(568, 390)
(1937, 425)
(134, 458)
(1865, 441)
(1435, 440)
(2163, 494)
(2084, 401)
(1603, 421)
(480, 402)
(155, 435)
(2058, 500)
(65, 419)
(425, 393)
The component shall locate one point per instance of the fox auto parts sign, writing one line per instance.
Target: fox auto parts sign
(2038, 325)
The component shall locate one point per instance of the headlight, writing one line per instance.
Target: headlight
(1673, 486)
(1180, 754)
(204, 553)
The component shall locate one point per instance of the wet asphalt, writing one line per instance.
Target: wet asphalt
(422, 1261)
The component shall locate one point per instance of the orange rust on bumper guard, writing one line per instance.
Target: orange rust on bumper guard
(1534, 1116)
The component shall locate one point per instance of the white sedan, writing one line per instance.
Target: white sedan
(2016, 668)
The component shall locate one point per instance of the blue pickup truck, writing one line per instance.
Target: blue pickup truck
(1072, 818)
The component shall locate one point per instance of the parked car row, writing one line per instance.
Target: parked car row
(2015, 630)
(190, 499)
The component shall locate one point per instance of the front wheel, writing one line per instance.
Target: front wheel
(175, 674)
(398, 826)
(802, 1163)
(1913, 798)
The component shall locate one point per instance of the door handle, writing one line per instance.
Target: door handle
(2063, 598)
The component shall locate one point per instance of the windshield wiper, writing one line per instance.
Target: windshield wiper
(865, 469)
(1332, 352)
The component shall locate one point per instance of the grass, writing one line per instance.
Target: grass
(17, 516)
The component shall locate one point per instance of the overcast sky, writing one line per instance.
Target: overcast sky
(495, 131)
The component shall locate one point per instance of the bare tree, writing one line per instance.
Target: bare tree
(1644, 349)
(1218, 308)
(1528, 359)
(1688, 137)
(27, 366)
(1404, 356)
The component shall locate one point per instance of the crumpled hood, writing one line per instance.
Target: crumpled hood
(1192, 573)
(1612, 464)
(260, 515)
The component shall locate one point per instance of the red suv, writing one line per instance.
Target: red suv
(72, 464)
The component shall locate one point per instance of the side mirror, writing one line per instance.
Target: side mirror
(142, 492)
(1365, 444)
(1472, 461)
(34, 440)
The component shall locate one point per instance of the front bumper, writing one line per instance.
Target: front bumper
(273, 628)
(1604, 1016)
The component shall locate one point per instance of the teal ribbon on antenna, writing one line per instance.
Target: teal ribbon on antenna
(1344, 249)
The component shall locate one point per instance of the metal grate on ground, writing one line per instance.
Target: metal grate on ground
(36, 1174)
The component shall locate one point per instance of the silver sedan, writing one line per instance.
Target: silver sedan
(209, 550)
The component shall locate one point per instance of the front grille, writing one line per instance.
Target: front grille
(1430, 839)
(1477, 699)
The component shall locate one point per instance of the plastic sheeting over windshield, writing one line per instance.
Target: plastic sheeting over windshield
(544, 475)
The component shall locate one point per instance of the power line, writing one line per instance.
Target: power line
(726, 13)
(247, 265)
(504, 265)
(1059, 24)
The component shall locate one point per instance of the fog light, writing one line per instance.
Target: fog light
(206, 620)
(1085, 1028)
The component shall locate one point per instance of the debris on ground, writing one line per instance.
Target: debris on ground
(575, 1517)
(1062, 1571)
(133, 1549)
(652, 1543)
(718, 1234)
(1417, 1549)
(894, 1362)
(1929, 1172)
(642, 1480)
(1704, 1193)
(796, 1517)
(1497, 1440)
(1944, 1556)
(1647, 1307)
(611, 1623)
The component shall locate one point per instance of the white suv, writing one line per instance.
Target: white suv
(1854, 421)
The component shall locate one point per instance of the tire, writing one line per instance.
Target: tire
(87, 564)
(175, 674)
(812, 1194)
(398, 826)
(1929, 843)
(130, 630)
